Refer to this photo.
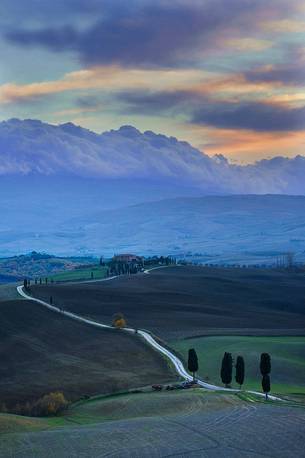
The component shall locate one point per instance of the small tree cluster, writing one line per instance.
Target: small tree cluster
(227, 370)
(161, 260)
(27, 284)
(51, 404)
(123, 268)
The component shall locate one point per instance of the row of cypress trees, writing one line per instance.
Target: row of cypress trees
(227, 369)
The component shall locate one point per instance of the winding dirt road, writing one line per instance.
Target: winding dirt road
(177, 363)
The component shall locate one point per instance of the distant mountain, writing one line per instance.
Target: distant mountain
(32, 147)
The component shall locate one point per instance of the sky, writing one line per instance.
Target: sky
(226, 75)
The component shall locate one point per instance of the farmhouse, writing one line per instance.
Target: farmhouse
(128, 258)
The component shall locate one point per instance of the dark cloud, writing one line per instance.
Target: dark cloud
(202, 110)
(291, 71)
(54, 39)
(88, 101)
(281, 74)
(46, 10)
(159, 33)
(151, 103)
(251, 116)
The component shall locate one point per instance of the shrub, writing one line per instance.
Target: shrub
(50, 404)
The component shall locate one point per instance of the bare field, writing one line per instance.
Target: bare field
(179, 302)
(41, 351)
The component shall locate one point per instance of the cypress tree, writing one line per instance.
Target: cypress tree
(240, 371)
(192, 363)
(266, 385)
(265, 364)
(226, 369)
(265, 368)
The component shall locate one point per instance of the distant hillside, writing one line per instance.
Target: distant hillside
(222, 229)
(35, 265)
(249, 228)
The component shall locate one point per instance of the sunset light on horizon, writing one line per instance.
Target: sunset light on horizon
(226, 76)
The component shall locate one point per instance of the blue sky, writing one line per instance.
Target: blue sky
(226, 75)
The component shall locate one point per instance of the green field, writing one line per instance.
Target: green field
(287, 355)
(98, 272)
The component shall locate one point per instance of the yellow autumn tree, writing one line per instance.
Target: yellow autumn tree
(51, 404)
(118, 321)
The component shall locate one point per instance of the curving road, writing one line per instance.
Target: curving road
(177, 363)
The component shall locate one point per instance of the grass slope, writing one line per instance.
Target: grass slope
(41, 351)
(287, 353)
(98, 272)
(194, 423)
(178, 302)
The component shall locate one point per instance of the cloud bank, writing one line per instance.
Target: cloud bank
(32, 147)
(146, 33)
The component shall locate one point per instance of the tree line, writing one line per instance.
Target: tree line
(227, 365)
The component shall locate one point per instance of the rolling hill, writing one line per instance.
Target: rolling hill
(154, 425)
(179, 302)
(42, 351)
(225, 229)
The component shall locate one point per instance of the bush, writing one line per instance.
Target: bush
(50, 404)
